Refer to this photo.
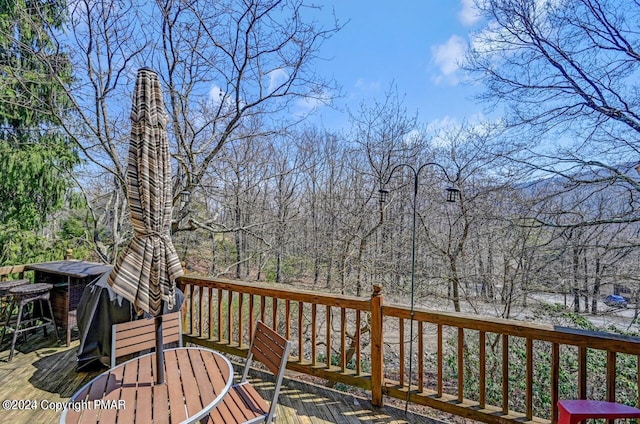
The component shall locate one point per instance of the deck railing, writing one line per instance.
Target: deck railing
(11, 272)
(488, 369)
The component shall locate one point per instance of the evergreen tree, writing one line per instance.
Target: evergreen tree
(34, 152)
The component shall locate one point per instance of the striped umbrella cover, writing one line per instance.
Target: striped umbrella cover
(145, 272)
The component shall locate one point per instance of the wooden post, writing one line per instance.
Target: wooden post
(377, 356)
(555, 378)
(611, 376)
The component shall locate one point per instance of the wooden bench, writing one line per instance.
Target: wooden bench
(140, 335)
(574, 411)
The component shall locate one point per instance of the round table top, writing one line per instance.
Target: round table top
(31, 288)
(196, 380)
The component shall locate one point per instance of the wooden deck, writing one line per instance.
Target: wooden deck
(44, 374)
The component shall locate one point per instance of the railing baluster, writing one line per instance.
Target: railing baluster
(189, 293)
(460, 364)
(263, 307)
(482, 359)
(274, 314)
(201, 310)
(191, 310)
(185, 309)
(219, 314)
(287, 319)
(440, 361)
(210, 313)
(343, 340)
(240, 318)
(505, 374)
(252, 316)
(582, 372)
(529, 379)
(300, 331)
(555, 375)
(402, 351)
(328, 335)
(420, 357)
(358, 344)
(314, 315)
(230, 316)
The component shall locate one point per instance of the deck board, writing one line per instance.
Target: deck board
(46, 373)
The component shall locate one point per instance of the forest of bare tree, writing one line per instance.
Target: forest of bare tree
(548, 192)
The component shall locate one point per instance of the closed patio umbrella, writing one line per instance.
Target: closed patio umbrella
(145, 272)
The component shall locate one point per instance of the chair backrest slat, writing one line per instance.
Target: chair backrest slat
(140, 335)
(269, 348)
(272, 350)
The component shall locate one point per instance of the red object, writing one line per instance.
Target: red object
(574, 411)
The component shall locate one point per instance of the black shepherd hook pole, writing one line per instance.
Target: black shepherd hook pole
(452, 194)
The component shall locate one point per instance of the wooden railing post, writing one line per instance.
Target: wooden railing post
(377, 356)
(183, 310)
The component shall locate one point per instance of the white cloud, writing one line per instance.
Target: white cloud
(469, 14)
(444, 123)
(220, 98)
(499, 40)
(276, 78)
(216, 94)
(413, 137)
(309, 104)
(362, 88)
(367, 86)
(477, 120)
(477, 124)
(447, 57)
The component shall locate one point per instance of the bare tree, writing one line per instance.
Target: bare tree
(447, 228)
(286, 167)
(567, 71)
(383, 135)
(105, 39)
(558, 62)
(236, 70)
(232, 70)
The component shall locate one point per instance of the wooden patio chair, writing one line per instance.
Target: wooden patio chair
(140, 335)
(243, 404)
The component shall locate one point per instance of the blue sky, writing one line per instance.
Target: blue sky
(415, 45)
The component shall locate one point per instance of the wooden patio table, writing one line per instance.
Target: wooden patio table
(196, 379)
